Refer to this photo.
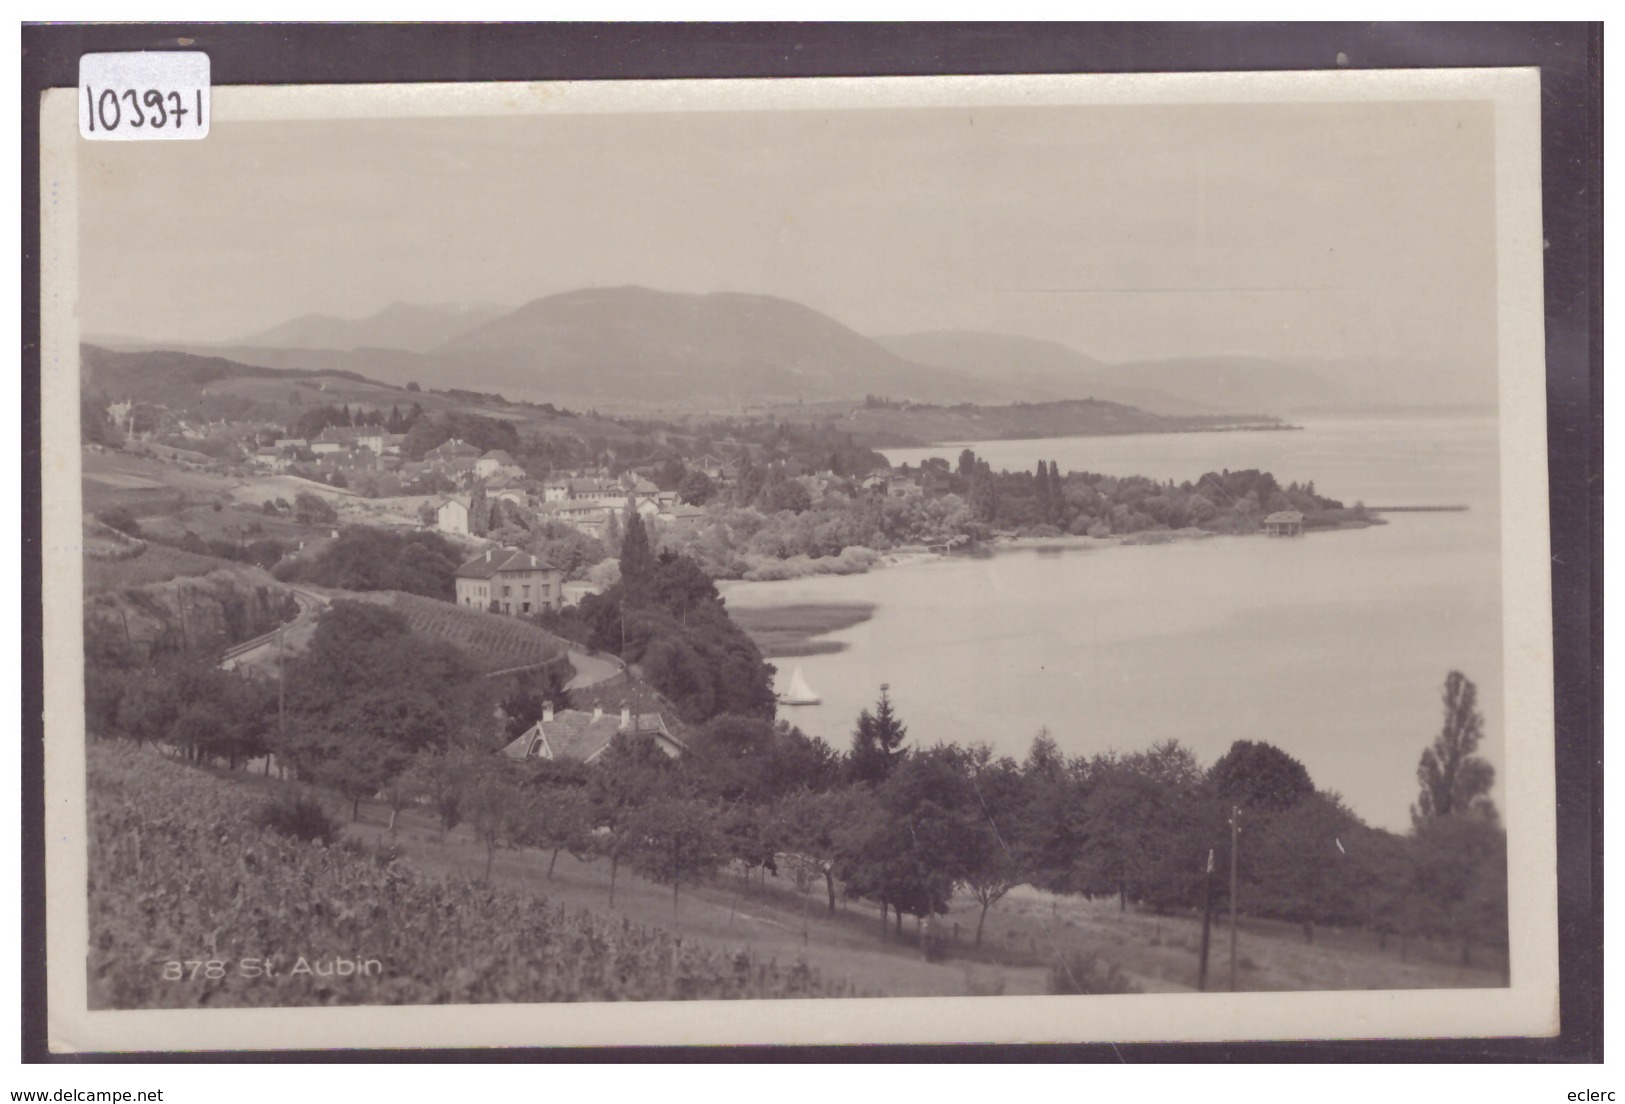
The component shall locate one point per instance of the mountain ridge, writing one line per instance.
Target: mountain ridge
(409, 327)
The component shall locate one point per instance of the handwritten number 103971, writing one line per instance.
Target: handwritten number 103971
(112, 108)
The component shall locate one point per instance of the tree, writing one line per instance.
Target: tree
(366, 558)
(676, 840)
(1307, 864)
(524, 705)
(812, 826)
(311, 509)
(1460, 890)
(637, 558)
(1046, 509)
(366, 674)
(425, 434)
(558, 818)
(1055, 832)
(696, 489)
(479, 510)
(95, 427)
(877, 742)
(441, 778)
(997, 858)
(494, 807)
(1260, 776)
(357, 766)
(916, 842)
(403, 789)
(1455, 781)
(786, 494)
(630, 774)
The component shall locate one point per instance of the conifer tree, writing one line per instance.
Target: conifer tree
(877, 743)
(1046, 509)
(637, 558)
(479, 513)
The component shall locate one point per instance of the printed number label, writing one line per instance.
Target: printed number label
(153, 95)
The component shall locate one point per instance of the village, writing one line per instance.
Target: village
(458, 628)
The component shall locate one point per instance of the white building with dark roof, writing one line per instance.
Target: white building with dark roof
(506, 580)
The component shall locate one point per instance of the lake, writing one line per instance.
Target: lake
(1333, 646)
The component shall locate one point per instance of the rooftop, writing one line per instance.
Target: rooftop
(581, 736)
(495, 561)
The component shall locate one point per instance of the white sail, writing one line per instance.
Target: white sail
(799, 692)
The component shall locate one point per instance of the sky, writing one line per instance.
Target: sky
(1282, 230)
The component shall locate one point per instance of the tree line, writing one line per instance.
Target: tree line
(375, 713)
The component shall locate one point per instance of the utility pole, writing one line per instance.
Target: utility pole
(1207, 921)
(1235, 835)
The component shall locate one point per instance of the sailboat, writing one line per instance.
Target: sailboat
(799, 692)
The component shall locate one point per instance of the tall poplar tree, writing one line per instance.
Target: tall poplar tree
(1454, 780)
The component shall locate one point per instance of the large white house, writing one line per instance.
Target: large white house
(506, 580)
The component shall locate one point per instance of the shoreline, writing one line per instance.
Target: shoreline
(915, 554)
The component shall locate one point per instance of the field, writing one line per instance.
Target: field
(181, 873)
(158, 563)
(163, 886)
(781, 631)
(493, 641)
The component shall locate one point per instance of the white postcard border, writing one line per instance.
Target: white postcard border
(1527, 1007)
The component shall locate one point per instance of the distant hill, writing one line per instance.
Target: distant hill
(1237, 382)
(663, 347)
(171, 378)
(902, 425)
(412, 327)
(1031, 369)
(396, 367)
(637, 349)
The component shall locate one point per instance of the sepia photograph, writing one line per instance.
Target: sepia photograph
(1020, 558)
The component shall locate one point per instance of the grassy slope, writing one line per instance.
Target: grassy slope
(1023, 934)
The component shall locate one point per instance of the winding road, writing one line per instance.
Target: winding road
(591, 670)
(251, 651)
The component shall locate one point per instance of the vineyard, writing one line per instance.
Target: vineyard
(181, 873)
(150, 564)
(494, 642)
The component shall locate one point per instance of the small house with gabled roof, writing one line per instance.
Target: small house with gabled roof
(1284, 523)
(451, 516)
(495, 461)
(577, 736)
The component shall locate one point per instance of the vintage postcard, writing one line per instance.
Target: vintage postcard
(799, 561)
